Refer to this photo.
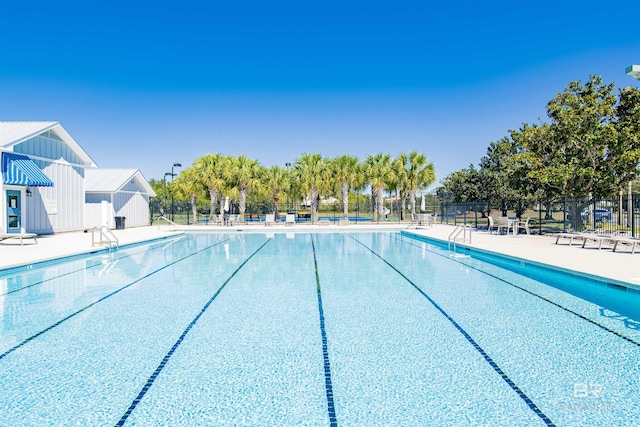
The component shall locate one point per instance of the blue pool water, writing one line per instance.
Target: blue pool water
(353, 329)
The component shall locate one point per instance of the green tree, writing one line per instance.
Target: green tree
(210, 168)
(627, 151)
(501, 178)
(419, 174)
(160, 188)
(397, 180)
(188, 185)
(591, 145)
(345, 171)
(310, 174)
(242, 173)
(378, 172)
(275, 181)
(464, 185)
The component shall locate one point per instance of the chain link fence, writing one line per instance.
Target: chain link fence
(605, 215)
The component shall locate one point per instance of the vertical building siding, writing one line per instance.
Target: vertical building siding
(51, 148)
(61, 207)
(133, 206)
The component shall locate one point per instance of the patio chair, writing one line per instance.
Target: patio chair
(424, 219)
(522, 226)
(492, 225)
(504, 223)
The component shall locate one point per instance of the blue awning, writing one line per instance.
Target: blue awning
(21, 170)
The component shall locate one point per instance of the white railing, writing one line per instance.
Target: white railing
(456, 232)
(166, 219)
(106, 237)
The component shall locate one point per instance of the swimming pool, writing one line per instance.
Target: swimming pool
(309, 329)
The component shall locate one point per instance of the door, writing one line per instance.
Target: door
(14, 218)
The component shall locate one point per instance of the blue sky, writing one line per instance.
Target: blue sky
(144, 84)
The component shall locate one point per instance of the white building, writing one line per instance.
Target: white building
(43, 182)
(111, 193)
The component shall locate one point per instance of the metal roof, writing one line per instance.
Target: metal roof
(98, 180)
(13, 133)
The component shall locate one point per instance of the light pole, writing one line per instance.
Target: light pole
(177, 165)
(164, 180)
(633, 71)
(288, 165)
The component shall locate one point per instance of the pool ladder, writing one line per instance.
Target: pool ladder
(456, 232)
(106, 237)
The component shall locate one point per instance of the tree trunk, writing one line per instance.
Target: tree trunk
(412, 204)
(345, 199)
(381, 202)
(242, 203)
(213, 197)
(314, 204)
(276, 213)
(194, 208)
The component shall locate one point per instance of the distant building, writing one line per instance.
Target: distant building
(43, 180)
(116, 192)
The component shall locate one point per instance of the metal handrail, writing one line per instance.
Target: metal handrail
(456, 232)
(108, 235)
(166, 219)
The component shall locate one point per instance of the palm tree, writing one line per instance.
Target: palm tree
(188, 185)
(210, 168)
(274, 180)
(398, 179)
(345, 171)
(244, 174)
(378, 172)
(419, 174)
(310, 173)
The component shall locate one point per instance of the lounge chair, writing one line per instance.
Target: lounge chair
(610, 237)
(629, 241)
(574, 236)
(522, 226)
(290, 219)
(20, 236)
(269, 219)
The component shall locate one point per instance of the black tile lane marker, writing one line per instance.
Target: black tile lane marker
(32, 337)
(568, 310)
(331, 409)
(175, 346)
(97, 264)
(475, 345)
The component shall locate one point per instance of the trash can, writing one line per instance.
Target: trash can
(120, 222)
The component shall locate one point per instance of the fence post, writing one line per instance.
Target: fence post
(540, 216)
(631, 215)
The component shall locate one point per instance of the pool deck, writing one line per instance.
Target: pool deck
(620, 266)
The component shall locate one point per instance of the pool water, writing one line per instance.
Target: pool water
(353, 329)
